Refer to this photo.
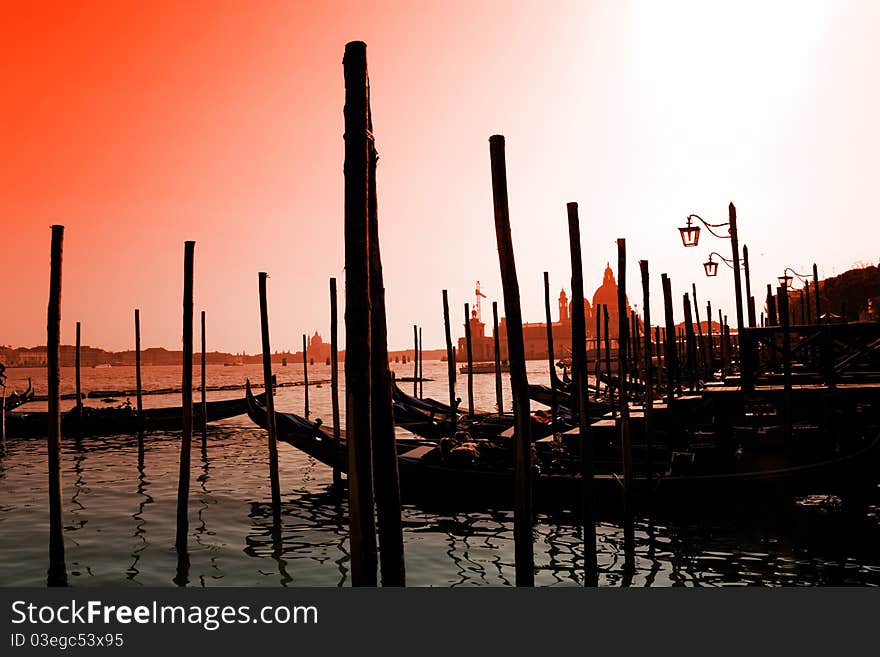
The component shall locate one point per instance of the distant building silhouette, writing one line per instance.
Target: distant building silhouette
(535, 334)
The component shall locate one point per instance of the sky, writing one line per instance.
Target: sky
(141, 125)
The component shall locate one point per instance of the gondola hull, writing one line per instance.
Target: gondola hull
(124, 420)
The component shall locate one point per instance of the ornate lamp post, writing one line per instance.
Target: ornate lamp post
(690, 236)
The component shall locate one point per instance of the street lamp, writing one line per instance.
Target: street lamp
(690, 236)
(785, 280)
(711, 266)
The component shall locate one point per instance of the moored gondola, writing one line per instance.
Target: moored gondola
(122, 419)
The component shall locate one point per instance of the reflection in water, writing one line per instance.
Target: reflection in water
(140, 531)
(312, 527)
(235, 541)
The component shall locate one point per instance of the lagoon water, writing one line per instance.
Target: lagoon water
(120, 521)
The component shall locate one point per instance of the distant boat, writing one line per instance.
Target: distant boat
(484, 368)
(102, 366)
(232, 364)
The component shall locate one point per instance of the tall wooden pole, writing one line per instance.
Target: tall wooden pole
(722, 338)
(598, 312)
(204, 388)
(671, 349)
(364, 556)
(3, 416)
(470, 359)
(386, 479)
(334, 376)
(742, 337)
(519, 384)
(659, 344)
(305, 375)
(415, 360)
(450, 363)
(57, 574)
(499, 402)
(78, 362)
(579, 376)
(186, 401)
(622, 347)
(554, 408)
(608, 387)
(749, 300)
(704, 369)
(710, 359)
(816, 290)
(271, 428)
(784, 317)
(808, 306)
(772, 315)
(138, 386)
(649, 364)
(690, 341)
(421, 367)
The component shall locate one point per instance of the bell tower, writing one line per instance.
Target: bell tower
(563, 306)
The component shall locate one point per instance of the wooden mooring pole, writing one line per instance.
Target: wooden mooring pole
(750, 301)
(386, 479)
(816, 291)
(648, 380)
(701, 343)
(609, 389)
(138, 385)
(415, 360)
(690, 342)
(470, 359)
(78, 364)
(271, 428)
(204, 419)
(554, 408)
(305, 375)
(622, 367)
(710, 356)
(57, 574)
(772, 317)
(421, 367)
(598, 312)
(186, 401)
(334, 377)
(671, 349)
(519, 385)
(3, 416)
(579, 375)
(499, 402)
(364, 558)
(450, 363)
(784, 316)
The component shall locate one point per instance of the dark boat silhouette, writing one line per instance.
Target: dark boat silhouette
(691, 468)
(122, 419)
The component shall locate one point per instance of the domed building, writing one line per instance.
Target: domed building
(535, 334)
(606, 295)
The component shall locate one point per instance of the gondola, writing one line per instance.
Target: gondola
(121, 419)
(18, 399)
(690, 469)
(431, 419)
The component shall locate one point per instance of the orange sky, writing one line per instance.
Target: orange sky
(141, 125)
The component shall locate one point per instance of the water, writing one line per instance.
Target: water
(120, 522)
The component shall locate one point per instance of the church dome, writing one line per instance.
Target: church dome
(607, 292)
